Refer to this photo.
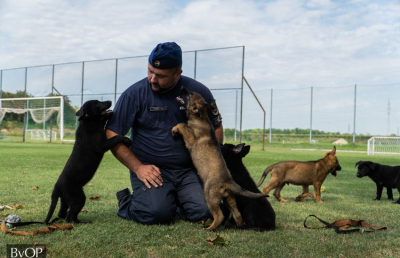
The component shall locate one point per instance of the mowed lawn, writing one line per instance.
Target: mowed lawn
(28, 172)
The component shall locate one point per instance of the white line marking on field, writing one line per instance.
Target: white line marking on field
(329, 150)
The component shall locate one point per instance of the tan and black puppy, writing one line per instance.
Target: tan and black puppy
(301, 173)
(199, 137)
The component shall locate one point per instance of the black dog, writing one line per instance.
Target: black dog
(257, 214)
(89, 148)
(382, 175)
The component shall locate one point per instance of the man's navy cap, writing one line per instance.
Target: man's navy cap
(166, 56)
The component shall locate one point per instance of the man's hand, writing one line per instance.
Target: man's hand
(149, 174)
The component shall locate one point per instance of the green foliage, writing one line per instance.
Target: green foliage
(12, 120)
(11, 116)
(295, 135)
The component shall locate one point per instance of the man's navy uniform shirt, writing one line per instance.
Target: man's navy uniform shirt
(151, 116)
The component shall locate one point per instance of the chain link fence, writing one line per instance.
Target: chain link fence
(107, 79)
(314, 114)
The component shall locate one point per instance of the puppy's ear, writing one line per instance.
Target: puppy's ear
(371, 165)
(332, 152)
(209, 107)
(246, 150)
(81, 114)
(358, 163)
(238, 148)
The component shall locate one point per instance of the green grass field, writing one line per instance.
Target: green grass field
(25, 166)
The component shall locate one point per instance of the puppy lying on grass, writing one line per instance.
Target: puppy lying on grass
(204, 149)
(88, 151)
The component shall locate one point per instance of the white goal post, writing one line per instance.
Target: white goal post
(39, 109)
(383, 145)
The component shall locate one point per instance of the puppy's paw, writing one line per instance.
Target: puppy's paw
(127, 141)
(175, 132)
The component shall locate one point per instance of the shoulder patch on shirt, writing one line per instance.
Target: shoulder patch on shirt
(214, 110)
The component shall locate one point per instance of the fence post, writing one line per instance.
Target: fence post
(241, 100)
(270, 118)
(261, 106)
(52, 81)
(51, 120)
(116, 80)
(311, 105)
(236, 107)
(1, 83)
(195, 65)
(83, 81)
(26, 114)
(354, 118)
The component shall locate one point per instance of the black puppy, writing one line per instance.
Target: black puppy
(89, 148)
(257, 214)
(382, 175)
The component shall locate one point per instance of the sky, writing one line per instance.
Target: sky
(289, 44)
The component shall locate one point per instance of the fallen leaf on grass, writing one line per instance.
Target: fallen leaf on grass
(14, 207)
(94, 197)
(89, 184)
(84, 210)
(216, 241)
(44, 247)
(17, 206)
(35, 188)
(206, 223)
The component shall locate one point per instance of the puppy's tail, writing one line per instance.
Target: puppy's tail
(236, 189)
(264, 175)
(54, 199)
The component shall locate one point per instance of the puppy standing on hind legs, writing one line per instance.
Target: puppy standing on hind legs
(199, 138)
(88, 151)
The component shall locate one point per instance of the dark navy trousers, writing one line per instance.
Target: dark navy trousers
(181, 193)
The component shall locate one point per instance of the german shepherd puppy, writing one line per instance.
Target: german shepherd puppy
(87, 153)
(301, 173)
(257, 214)
(198, 134)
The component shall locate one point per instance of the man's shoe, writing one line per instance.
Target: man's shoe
(121, 194)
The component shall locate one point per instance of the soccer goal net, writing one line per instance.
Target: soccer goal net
(38, 111)
(383, 145)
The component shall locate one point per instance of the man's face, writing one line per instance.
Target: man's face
(162, 80)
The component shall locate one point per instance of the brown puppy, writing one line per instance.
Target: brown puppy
(204, 149)
(301, 173)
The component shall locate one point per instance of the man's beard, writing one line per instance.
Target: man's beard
(162, 90)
